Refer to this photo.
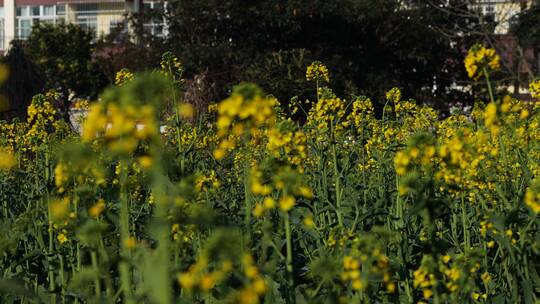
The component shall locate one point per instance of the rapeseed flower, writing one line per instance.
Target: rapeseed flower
(317, 71)
(534, 88)
(7, 159)
(480, 59)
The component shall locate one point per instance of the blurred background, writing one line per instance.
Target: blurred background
(77, 46)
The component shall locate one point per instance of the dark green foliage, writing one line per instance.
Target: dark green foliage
(373, 45)
(22, 83)
(63, 54)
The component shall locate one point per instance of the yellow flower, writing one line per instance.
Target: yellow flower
(532, 196)
(251, 271)
(446, 259)
(259, 286)
(62, 238)
(486, 277)
(286, 203)
(130, 243)
(7, 160)
(394, 95)
(308, 222)
(187, 280)
(357, 284)
(269, 203)
(317, 71)
(186, 110)
(534, 87)
(207, 282)
(97, 208)
(401, 162)
(480, 59)
(145, 162)
(219, 154)
(59, 209)
(123, 76)
(259, 210)
(305, 192)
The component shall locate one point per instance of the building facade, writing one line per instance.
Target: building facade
(100, 16)
(502, 12)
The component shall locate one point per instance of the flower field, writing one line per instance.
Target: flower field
(361, 201)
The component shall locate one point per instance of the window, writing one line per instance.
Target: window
(22, 11)
(86, 7)
(25, 26)
(61, 9)
(88, 23)
(35, 10)
(48, 10)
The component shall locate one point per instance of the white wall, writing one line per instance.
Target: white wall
(9, 22)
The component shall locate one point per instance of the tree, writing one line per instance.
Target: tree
(63, 55)
(527, 30)
(22, 83)
(369, 46)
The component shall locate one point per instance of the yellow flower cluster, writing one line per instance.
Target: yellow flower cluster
(62, 237)
(41, 122)
(424, 280)
(61, 176)
(394, 95)
(352, 272)
(328, 114)
(423, 155)
(256, 285)
(532, 196)
(359, 267)
(241, 115)
(203, 182)
(7, 159)
(122, 128)
(288, 145)
(60, 210)
(199, 277)
(97, 209)
(317, 71)
(172, 67)
(122, 77)
(81, 104)
(362, 114)
(287, 182)
(480, 59)
(534, 88)
(184, 234)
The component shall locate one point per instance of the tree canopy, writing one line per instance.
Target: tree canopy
(369, 46)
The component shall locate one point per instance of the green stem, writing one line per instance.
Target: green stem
(50, 259)
(464, 225)
(337, 181)
(247, 200)
(123, 267)
(93, 257)
(289, 264)
(490, 90)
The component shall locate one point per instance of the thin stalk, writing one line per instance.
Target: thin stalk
(50, 259)
(292, 297)
(337, 181)
(93, 257)
(62, 278)
(488, 82)
(123, 267)
(247, 201)
(464, 225)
